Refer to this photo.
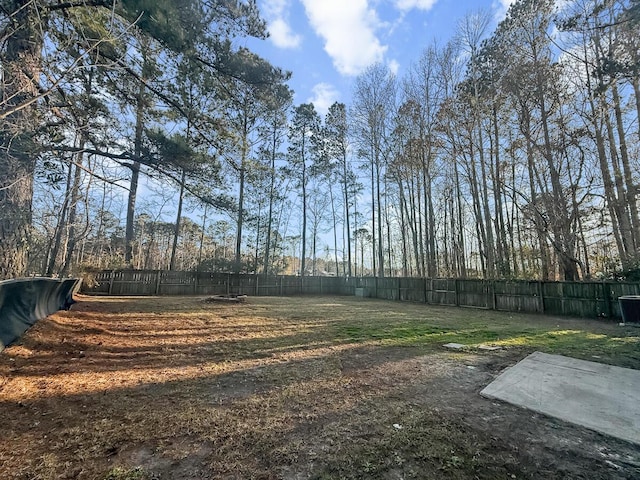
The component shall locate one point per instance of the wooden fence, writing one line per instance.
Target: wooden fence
(162, 282)
(582, 299)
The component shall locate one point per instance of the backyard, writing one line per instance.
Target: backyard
(293, 388)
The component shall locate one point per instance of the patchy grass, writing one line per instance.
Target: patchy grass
(314, 387)
(119, 473)
(580, 338)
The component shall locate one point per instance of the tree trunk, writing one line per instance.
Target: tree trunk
(477, 208)
(176, 231)
(73, 210)
(388, 224)
(621, 205)
(243, 161)
(380, 240)
(202, 232)
(462, 258)
(141, 107)
(421, 258)
(346, 209)
(304, 210)
(335, 229)
(430, 222)
(630, 185)
(240, 221)
(314, 239)
(635, 81)
(131, 211)
(511, 220)
(373, 214)
(503, 260)
(489, 243)
(446, 260)
(272, 182)
(403, 227)
(415, 224)
(18, 150)
(61, 226)
(616, 211)
(564, 237)
(540, 230)
(256, 256)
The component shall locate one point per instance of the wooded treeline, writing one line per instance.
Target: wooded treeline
(513, 154)
(139, 134)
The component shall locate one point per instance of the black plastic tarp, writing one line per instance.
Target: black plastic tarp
(25, 301)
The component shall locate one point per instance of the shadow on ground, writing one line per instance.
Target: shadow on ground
(276, 389)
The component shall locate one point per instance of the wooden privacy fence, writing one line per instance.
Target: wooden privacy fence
(583, 299)
(163, 282)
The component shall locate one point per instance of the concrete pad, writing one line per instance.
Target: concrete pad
(593, 395)
(455, 346)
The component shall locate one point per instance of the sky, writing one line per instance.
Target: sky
(326, 44)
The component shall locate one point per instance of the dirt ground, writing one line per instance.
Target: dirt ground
(275, 388)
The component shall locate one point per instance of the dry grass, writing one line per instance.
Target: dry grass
(142, 388)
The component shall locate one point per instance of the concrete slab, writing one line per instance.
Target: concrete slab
(597, 396)
(455, 346)
(489, 348)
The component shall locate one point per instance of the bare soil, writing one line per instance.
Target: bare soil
(179, 388)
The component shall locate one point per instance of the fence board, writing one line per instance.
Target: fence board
(584, 299)
(517, 296)
(473, 293)
(413, 290)
(443, 292)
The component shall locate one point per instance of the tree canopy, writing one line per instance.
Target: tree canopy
(139, 134)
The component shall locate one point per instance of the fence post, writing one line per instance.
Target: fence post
(455, 288)
(112, 275)
(430, 292)
(195, 283)
(540, 297)
(606, 292)
(158, 276)
(320, 285)
(281, 282)
(424, 289)
(492, 292)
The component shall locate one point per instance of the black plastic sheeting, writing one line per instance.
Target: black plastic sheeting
(630, 308)
(25, 301)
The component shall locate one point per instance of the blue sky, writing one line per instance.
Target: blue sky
(327, 43)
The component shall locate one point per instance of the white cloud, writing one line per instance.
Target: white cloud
(348, 28)
(281, 34)
(394, 66)
(504, 4)
(276, 14)
(501, 7)
(324, 95)
(425, 5)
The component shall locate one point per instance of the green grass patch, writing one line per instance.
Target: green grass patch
(588, 339)
(119, 473)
